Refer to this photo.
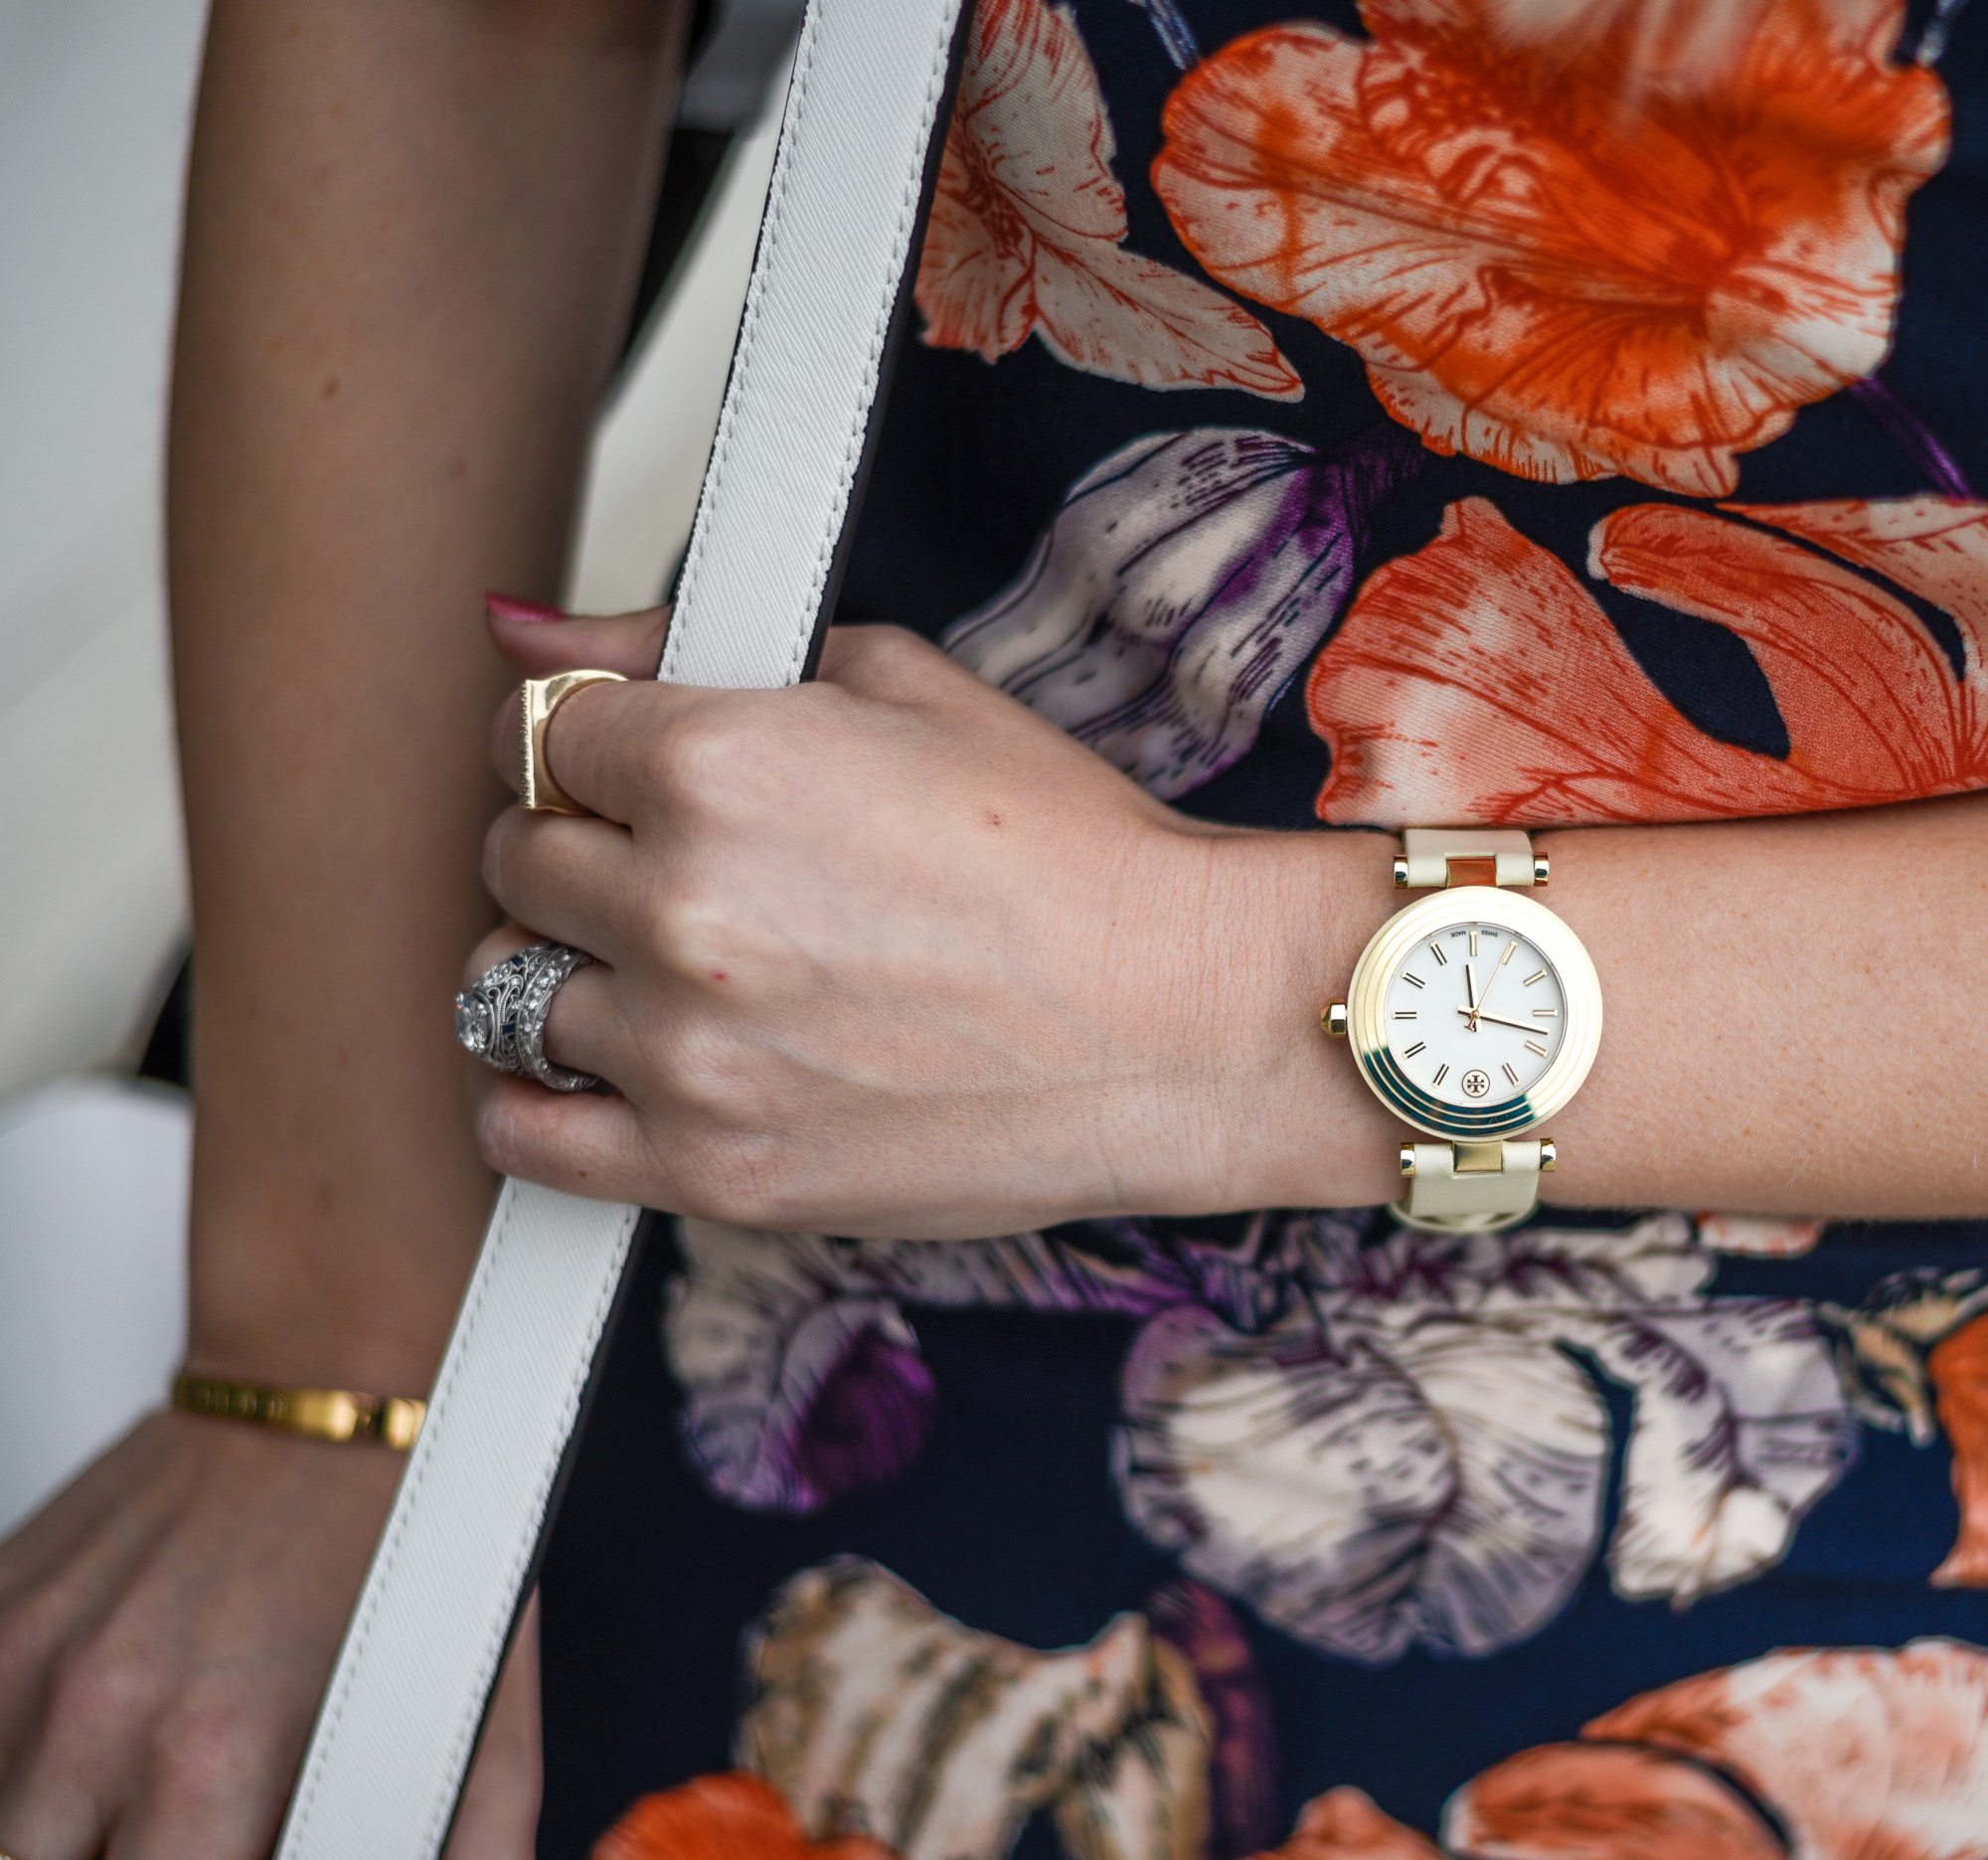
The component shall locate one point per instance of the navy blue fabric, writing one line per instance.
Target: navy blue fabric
(1009, 1518)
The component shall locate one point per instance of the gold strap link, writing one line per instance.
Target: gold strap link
(1434, 858)
(322, 1414)
(1472, 1187)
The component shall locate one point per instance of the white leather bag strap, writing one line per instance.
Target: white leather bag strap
(858, 153)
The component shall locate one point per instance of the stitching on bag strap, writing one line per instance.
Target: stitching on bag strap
(771, 231)
(773, 235)
(907, 215)
(390, 1551)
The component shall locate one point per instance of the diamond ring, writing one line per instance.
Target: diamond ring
(501, 1016)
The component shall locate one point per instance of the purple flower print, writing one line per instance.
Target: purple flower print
(801, 1374)
(1185, 583)
(869, 1419)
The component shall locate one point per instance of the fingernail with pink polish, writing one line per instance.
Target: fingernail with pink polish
(508, 607)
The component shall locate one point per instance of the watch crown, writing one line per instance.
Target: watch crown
(1334, 1019)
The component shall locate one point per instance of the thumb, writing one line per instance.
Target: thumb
(539, 642)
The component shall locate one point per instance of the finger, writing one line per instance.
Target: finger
(502, 739)
(567, 876)
(596, 745)
(585, 1031)
(498, 1817)
(573, 1141)
(539, 642)
(626, 751)
(499, 947)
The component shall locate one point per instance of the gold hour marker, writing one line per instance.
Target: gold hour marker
(1413, 982)
(1442, 1072)
(1539, 974)
(1473, 940)
(1510, 1073)
(1511, 950)
(1404, 1013)
(1546, 1013)
(1533, 1046)
(1414, 1050)
(1441, 960)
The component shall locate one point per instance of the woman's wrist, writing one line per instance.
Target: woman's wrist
(356, 1291)
(1287, 914)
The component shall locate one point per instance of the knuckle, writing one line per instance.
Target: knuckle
(696, 757)
(895, 645)
(27, 1630)
(94, 1689)
(888, 659)
(205, 1752)
(692, 934)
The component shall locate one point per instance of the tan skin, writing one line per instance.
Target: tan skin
(883, 955)
(398, 316)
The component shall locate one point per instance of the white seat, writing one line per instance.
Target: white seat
(93, 1271)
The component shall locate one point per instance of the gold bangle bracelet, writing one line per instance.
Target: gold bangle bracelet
(322, 1414)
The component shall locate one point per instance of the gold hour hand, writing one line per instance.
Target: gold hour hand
(1470, 995)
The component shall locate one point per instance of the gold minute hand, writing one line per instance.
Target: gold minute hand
(1523, 1026)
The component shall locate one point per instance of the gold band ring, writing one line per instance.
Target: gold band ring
(538, 701)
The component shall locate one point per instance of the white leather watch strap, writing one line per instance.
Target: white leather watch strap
(1447, 856)
(1472, 1184)
(857, 155)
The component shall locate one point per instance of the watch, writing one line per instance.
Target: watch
(1474, 1016)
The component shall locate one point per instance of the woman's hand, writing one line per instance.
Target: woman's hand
(167, 1624)
(888, 955)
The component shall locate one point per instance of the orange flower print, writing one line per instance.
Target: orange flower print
(1861, 1751)
(1025, 230)
(728, 1817)
(1838, 1754)
(1478, 680)
(1958, 1369)
(1545, 266)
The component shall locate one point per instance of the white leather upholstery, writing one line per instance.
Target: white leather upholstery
(398, 1722)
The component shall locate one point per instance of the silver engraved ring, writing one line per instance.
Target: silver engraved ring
(501, 1016)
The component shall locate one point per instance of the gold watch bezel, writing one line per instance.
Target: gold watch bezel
(1366, 1019)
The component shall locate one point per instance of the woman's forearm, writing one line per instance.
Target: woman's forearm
(1796, 1012)
(413, 236)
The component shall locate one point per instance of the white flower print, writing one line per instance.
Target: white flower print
(1373, 1446)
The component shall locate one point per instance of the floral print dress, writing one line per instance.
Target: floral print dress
(1356, 418)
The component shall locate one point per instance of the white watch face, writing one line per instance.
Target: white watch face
(1473, 1014)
